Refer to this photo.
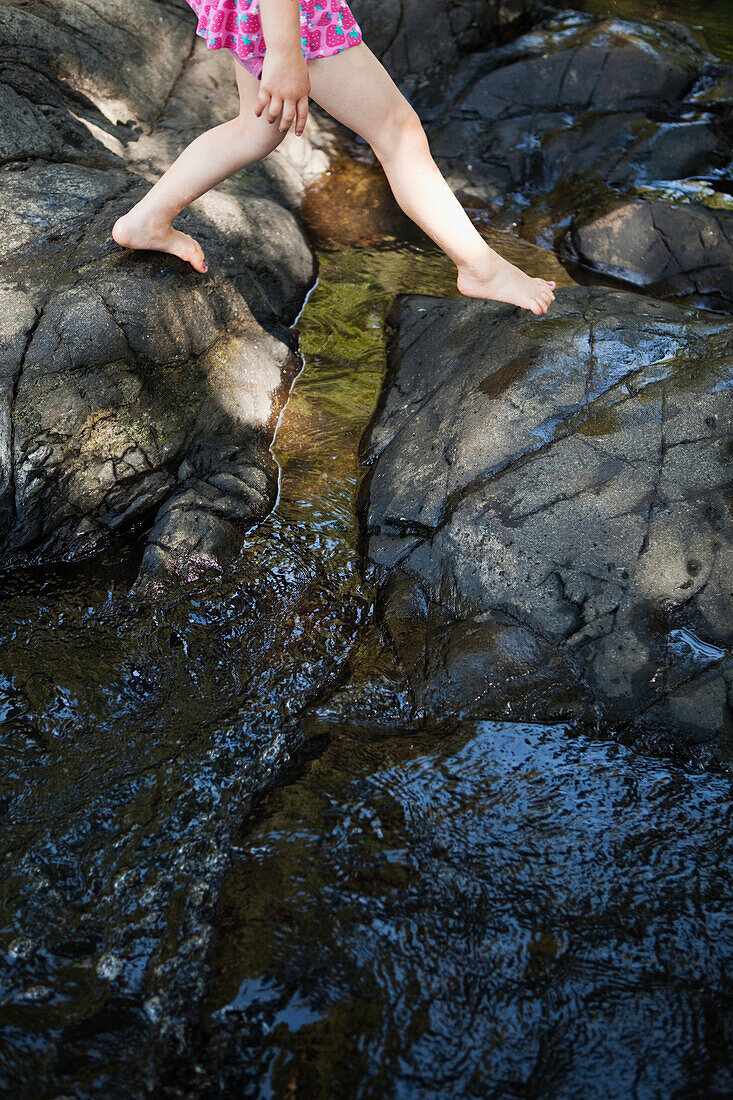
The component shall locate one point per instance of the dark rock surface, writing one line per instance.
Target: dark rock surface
(549, 513)
(130, 382)
(414, 35)
(671, 250)
(584, 109)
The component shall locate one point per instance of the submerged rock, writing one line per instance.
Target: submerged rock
(548, 513)
(583, 109)
(496, 912)
(136, 734)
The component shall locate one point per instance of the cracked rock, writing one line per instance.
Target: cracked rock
(548, 512)
(673, 251)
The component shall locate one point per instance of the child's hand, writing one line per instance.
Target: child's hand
(284, 90)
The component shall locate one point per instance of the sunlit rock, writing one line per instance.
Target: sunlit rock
(119, 367)
(548, 514)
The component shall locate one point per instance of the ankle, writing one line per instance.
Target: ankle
(482, 266)
(150, 218)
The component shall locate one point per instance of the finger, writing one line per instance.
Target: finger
(301, 115)
(288, 115)
(263, 98)
(276, 106)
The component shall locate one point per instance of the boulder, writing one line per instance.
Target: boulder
(548, 513)
(412, 36)
(133, 390)
(671, 250)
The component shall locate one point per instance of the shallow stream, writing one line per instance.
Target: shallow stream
(490, 910)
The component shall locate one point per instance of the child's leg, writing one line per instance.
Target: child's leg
(356, 89)
(212, 157)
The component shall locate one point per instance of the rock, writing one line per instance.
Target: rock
(411, 36)
(121, 366)
(670, 250)
(582, 109)
(548, 513)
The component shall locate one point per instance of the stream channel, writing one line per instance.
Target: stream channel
(485, 910)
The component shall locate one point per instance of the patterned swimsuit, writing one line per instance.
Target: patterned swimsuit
(326, 28)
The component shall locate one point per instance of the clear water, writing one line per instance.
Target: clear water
(502, 911)
(507, 911)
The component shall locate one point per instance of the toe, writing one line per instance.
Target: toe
(197, 260)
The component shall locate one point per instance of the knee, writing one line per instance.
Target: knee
(248, 128)
(401, 133)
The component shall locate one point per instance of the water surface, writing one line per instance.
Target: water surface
(504, 911)
(501, 910)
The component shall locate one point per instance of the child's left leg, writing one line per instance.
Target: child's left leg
(356, 89)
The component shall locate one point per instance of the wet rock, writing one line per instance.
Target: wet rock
(554, 126)
(671, 250)
(548, 517)
(136, 735)
(120, 367)
(396, 29)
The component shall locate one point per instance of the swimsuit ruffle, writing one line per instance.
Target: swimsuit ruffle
(326, 26)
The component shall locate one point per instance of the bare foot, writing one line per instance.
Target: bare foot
(503, 282)
(136, 230)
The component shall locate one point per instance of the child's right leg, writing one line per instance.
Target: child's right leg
(356, 89)
(210, 158)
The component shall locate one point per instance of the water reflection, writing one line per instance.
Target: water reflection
(515, 911)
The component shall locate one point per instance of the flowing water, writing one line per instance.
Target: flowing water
(491, 910)
(505, 911)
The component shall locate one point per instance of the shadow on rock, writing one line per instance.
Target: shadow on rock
(549, 514)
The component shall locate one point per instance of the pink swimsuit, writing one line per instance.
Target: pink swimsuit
(326, 28)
